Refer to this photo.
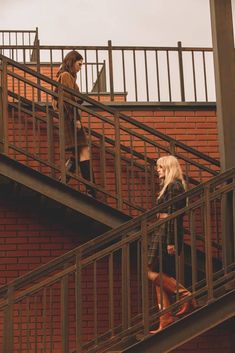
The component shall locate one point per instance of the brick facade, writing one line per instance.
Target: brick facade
(29, 239)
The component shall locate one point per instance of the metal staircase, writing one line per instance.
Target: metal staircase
(123, 151)
(96, 298)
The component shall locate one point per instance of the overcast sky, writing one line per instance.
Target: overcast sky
(125, 22)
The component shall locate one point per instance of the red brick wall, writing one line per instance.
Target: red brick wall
(28, 239)
(196, 128)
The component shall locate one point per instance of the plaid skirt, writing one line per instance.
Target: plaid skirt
(157, 252)
(72, 135)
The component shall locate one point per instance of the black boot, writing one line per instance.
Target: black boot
(86, 174)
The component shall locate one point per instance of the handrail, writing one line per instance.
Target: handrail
(117, 259)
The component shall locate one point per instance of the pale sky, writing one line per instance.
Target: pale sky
(125, 22)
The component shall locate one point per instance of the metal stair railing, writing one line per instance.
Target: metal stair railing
(97, 294)
(33, 134)
(129, 68)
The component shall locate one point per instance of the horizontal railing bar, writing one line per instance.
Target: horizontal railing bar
(18, 31)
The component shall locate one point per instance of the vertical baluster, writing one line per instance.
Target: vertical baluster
(64, 313)
(125, 287)
(157, 74)
(4, 109)
(44, 319)
(132, 178)
(103, 158)
(111, 295)
(146, 74)
(181, 71)
(205, 77)
(194, 78)
(86, 73)
(192, 227)
(78, 293)
(118, 169)
(51, 322)
(20, 328)
(28, 324)
(50, 140)
(144, 276)
(208, 247)
(168, 75)
(35, 324)
(97, 74)
(124, 73)
(135, 76)
(111, 82)
(8, 328)
(95, 303)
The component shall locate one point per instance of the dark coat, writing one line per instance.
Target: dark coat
(71, 115)
(165, 234)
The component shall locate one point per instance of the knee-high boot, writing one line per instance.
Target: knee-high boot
(170, 286)
(167, 318)
(86, 174)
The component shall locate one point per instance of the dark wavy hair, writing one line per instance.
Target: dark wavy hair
(69, 61)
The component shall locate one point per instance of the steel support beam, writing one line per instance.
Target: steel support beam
(224, 62)
(61, 193)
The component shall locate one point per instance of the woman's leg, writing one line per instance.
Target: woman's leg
(85, 167)
(171, 287)
(163, 302)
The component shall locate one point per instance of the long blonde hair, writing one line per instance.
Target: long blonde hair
(172, 170)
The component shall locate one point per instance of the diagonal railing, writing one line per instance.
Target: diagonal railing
(97, 294)
(123, 151)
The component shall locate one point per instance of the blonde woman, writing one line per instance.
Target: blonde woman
(165, 240)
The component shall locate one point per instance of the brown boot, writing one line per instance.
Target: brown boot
(170, 286)
(167, 318)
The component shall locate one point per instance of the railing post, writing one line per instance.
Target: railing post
(181, 71)
(61, 132)
(208, 247)
(110, 55)
(37, 43)
(125, 288)
(78, 293)
(118, 166)
(64, 315)
(3, 109)
(144, 276)
(8, 338)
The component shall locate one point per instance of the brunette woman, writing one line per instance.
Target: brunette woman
(168, 238)
(67, 76)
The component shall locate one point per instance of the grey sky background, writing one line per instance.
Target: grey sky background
(125, 22)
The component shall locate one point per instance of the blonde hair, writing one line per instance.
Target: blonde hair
(172, 170)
